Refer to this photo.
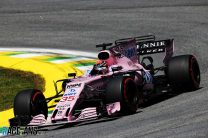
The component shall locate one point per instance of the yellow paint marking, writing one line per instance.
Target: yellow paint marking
(48, 71)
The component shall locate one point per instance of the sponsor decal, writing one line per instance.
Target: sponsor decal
(59, 113)
(152, 51)
(70, 92)
(63, 106)
(73, 85)
(152, 47)
(147, 45)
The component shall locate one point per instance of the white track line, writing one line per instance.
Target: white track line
(56, 51)
(60, 61)
(28, 55)
(85, 67)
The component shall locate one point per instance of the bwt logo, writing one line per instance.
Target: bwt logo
(19, 130)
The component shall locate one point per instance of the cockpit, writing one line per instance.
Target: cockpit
(105, 60)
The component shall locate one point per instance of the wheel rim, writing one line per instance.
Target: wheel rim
(195, 72)
(38, 105)
(130, 92)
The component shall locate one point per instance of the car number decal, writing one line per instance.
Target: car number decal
(67, 98)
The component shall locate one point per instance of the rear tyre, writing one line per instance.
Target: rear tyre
(29, 103)
(124, 90)
(184, 73)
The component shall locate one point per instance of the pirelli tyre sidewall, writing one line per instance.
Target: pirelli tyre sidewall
(124, 90)
(184, 73)
(29, 103)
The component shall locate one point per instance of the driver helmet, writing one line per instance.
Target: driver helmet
(100, 68)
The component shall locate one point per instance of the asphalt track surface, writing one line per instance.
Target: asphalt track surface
(80, 24)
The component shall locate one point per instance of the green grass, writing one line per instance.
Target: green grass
(12, 81)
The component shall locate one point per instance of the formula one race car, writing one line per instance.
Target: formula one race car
(117, 84)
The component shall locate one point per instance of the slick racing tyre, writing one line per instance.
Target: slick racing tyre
(28, 103)
(184, 73)
(124, 90)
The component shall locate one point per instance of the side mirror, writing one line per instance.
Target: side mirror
(117, 68)
(72, 75)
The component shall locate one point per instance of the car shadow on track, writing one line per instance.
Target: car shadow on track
(101, 120)
(106, 119)
(164, 97)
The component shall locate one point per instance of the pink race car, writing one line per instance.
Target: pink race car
(117, 84)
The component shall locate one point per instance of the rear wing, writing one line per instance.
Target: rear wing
(144, 38)
(147, 44)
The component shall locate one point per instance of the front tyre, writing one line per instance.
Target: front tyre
(184, 73)
(124, 90)
(29, 103)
